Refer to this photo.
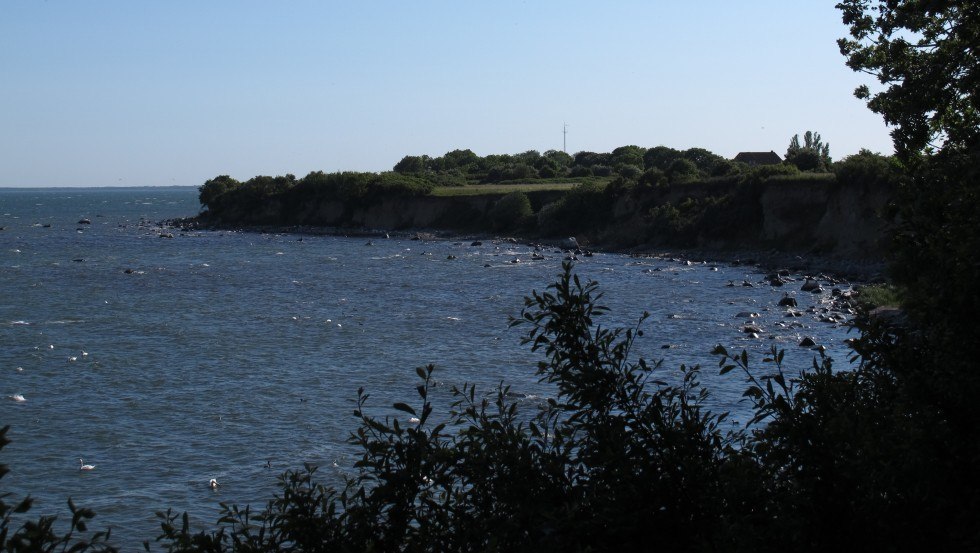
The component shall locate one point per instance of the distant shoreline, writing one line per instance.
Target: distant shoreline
(100, 188)
(863, 270)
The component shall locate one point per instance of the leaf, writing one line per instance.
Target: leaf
(779, 380)
(404, 407)
(24, 505)
(726, 369)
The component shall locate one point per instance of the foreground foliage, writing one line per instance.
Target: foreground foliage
(622, 460)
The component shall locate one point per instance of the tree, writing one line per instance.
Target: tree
(653, 179)
(682, 170)
(627, 155)
(813, 155)
(868, 168)
(704, 159)
(924, 54)
(660, 157)
(460, 159)
(212, 188)
(560, 158)
(529, 157)
(590, 159)
(411, 165)
(511, 211)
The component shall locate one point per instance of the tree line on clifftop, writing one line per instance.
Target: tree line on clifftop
(879, 456)
(629, 196)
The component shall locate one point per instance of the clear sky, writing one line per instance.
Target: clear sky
(125, 92)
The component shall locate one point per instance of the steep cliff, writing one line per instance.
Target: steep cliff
(806, 214)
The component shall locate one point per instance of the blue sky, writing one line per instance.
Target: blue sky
(109, 93)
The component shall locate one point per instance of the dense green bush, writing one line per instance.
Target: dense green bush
(868, 169)
(213, 188)
(511, 212)
(682, 171)
(585, 208)
(362, 188)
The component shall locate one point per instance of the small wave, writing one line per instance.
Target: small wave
(20, 323)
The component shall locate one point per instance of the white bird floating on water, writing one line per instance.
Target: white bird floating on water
(83, 466)
(213, 484)
(18, 398)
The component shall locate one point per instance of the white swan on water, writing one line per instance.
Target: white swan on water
(83, 466)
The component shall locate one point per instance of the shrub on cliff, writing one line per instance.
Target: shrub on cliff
(355, 189)
(867, 168)
(253, 201)
(682, 171)
(511, 212)
(585, 208)
(212, 189)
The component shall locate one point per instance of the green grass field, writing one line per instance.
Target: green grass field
(477, 189)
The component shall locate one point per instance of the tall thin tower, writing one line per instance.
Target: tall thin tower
(564, 138)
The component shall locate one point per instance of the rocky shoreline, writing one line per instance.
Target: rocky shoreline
(834, 269)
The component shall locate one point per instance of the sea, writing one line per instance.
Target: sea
(166, 358)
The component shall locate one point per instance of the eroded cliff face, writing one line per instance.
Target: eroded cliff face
(397, 213)
(837, 220)
(425, 212)
(798, 215)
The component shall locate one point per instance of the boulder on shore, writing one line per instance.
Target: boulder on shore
(788, 301)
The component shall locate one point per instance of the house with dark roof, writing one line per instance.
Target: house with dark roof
(759, 158)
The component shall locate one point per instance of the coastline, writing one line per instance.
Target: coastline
(867, 270)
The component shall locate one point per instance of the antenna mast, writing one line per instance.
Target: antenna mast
(564, 136)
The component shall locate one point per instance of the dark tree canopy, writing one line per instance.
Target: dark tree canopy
(924, 54)
(812, 155)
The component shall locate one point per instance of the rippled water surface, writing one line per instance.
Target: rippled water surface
(169, 361)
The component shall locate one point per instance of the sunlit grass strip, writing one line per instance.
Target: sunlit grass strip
(478, 189)
(880, 295)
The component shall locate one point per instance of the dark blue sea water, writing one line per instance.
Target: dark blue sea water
(166, 362)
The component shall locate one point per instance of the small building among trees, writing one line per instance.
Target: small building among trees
(759, 158)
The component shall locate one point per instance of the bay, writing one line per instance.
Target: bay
(168, 361)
